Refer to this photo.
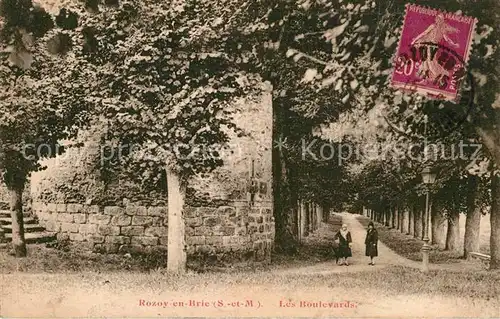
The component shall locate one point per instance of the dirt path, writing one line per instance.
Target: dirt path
(130, 294)
(359, 262)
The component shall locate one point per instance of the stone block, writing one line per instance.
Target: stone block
(202, 231)
(117, 240)
(194, 222)
(65, 217)
(255, 211)
(160, 211)
(142, 220)
(267, 211)
(74, 208)
(207, 211)
(63, 236)
(189, 231)
(42, 207)
(114, 210)
(226, 211)
(86, 229)
(93, 209)
(211, 221)
(80, 218)
(226, 240)
(52, 225)
(132, 231)
(260, 219)
(99, 219)
(69, 227)
(191, 212)
(157, 221)
(213, 240)
(164, 241)
(157, 231)
(146, 241)
(50, 216)
(96, 239)
(134, 210)
(243, 211)
(108, 230)
(35, 206)
(228, 231)
(121, 220)
(236, 220)
(195, 240)
(76, 237)
(261, 228)
(51, 207)
(190, 250)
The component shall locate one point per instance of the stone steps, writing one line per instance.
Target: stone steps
(35, 238)
(34, 233)
(8, 221)
(28, 228)
(6, 213)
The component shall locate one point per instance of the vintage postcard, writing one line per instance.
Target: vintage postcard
(243, 158)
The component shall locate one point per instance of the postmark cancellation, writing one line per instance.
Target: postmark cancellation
(433, 52)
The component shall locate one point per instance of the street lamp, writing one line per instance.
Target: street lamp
(428, 178)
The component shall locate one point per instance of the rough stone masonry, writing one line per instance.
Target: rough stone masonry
(234, 217)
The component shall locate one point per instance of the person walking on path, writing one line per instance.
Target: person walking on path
(344, 242)
(371, 243)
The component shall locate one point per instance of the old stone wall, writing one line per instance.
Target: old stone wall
(228, 214)
(246, 232)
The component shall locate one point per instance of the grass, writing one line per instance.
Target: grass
(410, 247)
(68, 259)
(390, 281)
(316, 247)
(50, 266)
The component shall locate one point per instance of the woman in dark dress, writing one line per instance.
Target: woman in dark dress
(371, 243)
(344, 241)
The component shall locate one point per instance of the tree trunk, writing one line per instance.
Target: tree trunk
(453, 232)
(282, 192)
(393, 217)
(319, 214)
(388, 215)
(16, 210)
(437, 227)
(310, 217)
(473, 218)
(410, 220)
(326, 213)
(403, 222)
(307, 220)
(417, 225)
(303, 220)
(395, 213)
(495, 223)
(176, 227)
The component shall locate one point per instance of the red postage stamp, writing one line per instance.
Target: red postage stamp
(433, 51)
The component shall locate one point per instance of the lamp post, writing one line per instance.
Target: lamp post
(428, 178)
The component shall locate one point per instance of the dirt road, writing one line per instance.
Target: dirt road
(156, 295)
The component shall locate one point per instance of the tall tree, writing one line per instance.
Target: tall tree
(44, 98)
